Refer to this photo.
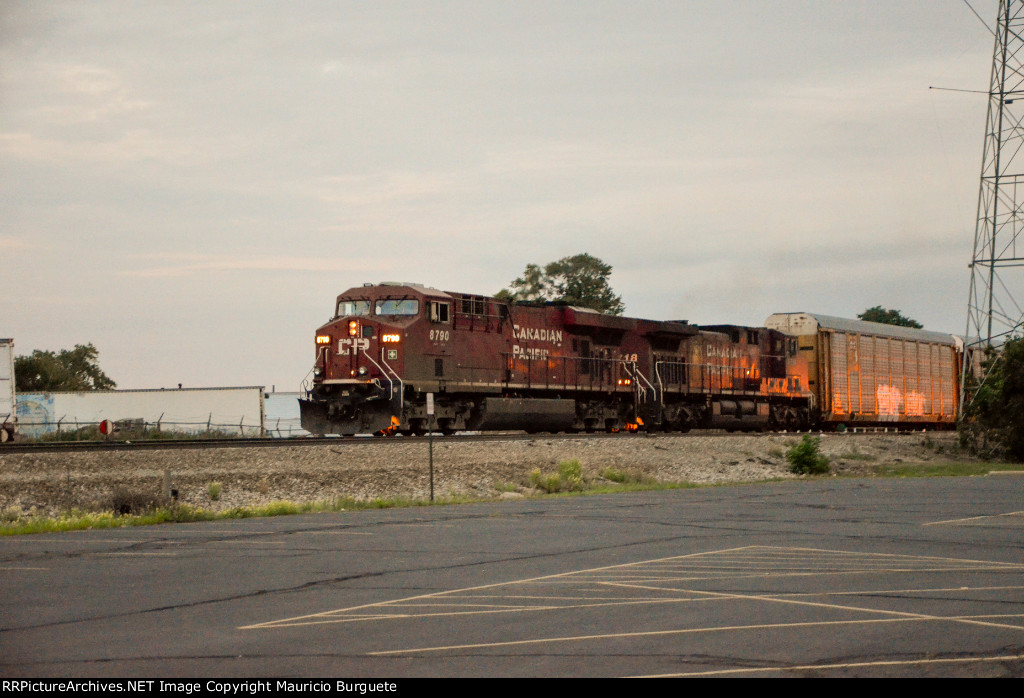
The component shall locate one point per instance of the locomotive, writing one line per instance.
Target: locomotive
(402, 357)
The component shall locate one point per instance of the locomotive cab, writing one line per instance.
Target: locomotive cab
(358, 376)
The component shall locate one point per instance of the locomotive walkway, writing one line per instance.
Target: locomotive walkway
(832, 577)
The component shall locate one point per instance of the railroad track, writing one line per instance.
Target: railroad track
(266, 442)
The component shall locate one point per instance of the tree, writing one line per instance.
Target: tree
(580, 280)
(888, 317)
(995, 415)
(75, 369)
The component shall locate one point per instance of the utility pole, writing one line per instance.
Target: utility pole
(994, 312)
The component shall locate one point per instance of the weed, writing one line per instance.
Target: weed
(128, 502)
(214, 490)
(570, 472)
(569, 478)
(11, 514)
(776, 452)
(806, 458)
(547, 483)
(619, 476)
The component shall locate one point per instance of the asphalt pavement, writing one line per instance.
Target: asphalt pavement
(826, 577)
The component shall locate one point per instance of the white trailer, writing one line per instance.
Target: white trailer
(8, 415)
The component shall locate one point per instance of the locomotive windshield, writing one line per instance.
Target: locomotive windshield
(403, 306)
(349, 308)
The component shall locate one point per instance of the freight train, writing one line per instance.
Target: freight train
(405, 358)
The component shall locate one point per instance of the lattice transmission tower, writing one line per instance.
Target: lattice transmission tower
(994, 310)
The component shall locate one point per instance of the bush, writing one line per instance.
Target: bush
(213, 490)
(805, 457)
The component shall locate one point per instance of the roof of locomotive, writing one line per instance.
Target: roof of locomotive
(809, 323)
(396, 285)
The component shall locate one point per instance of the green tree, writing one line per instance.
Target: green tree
(580, 280)
(74, 369)
(888, 317)
(995, 415)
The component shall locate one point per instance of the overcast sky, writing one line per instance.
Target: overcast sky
(188, 185)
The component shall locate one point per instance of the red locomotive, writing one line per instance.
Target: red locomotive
(498, 365)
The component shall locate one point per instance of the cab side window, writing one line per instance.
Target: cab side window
(439, 312)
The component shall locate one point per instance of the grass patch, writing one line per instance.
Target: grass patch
(953, 469)
(15, 523)
(627, 477)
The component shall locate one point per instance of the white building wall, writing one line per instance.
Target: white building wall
(232, 410)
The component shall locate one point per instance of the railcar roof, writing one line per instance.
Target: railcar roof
(782, 321)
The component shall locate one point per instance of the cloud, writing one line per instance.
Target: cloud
(132, 146)
(12, 244)
(88, 94)
(347, 265)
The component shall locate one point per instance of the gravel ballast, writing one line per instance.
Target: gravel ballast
(48, 483)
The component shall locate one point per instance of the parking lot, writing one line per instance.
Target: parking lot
(832, 577)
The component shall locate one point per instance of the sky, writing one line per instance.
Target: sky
(189, 185)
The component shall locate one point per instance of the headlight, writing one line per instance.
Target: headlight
(363, 370)
(318, 372)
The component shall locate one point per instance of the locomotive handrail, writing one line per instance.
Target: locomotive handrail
(391, 383)
(641, 391)
(401, 386)
(306, 386)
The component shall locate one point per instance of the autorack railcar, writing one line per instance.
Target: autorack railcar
(872, 374)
